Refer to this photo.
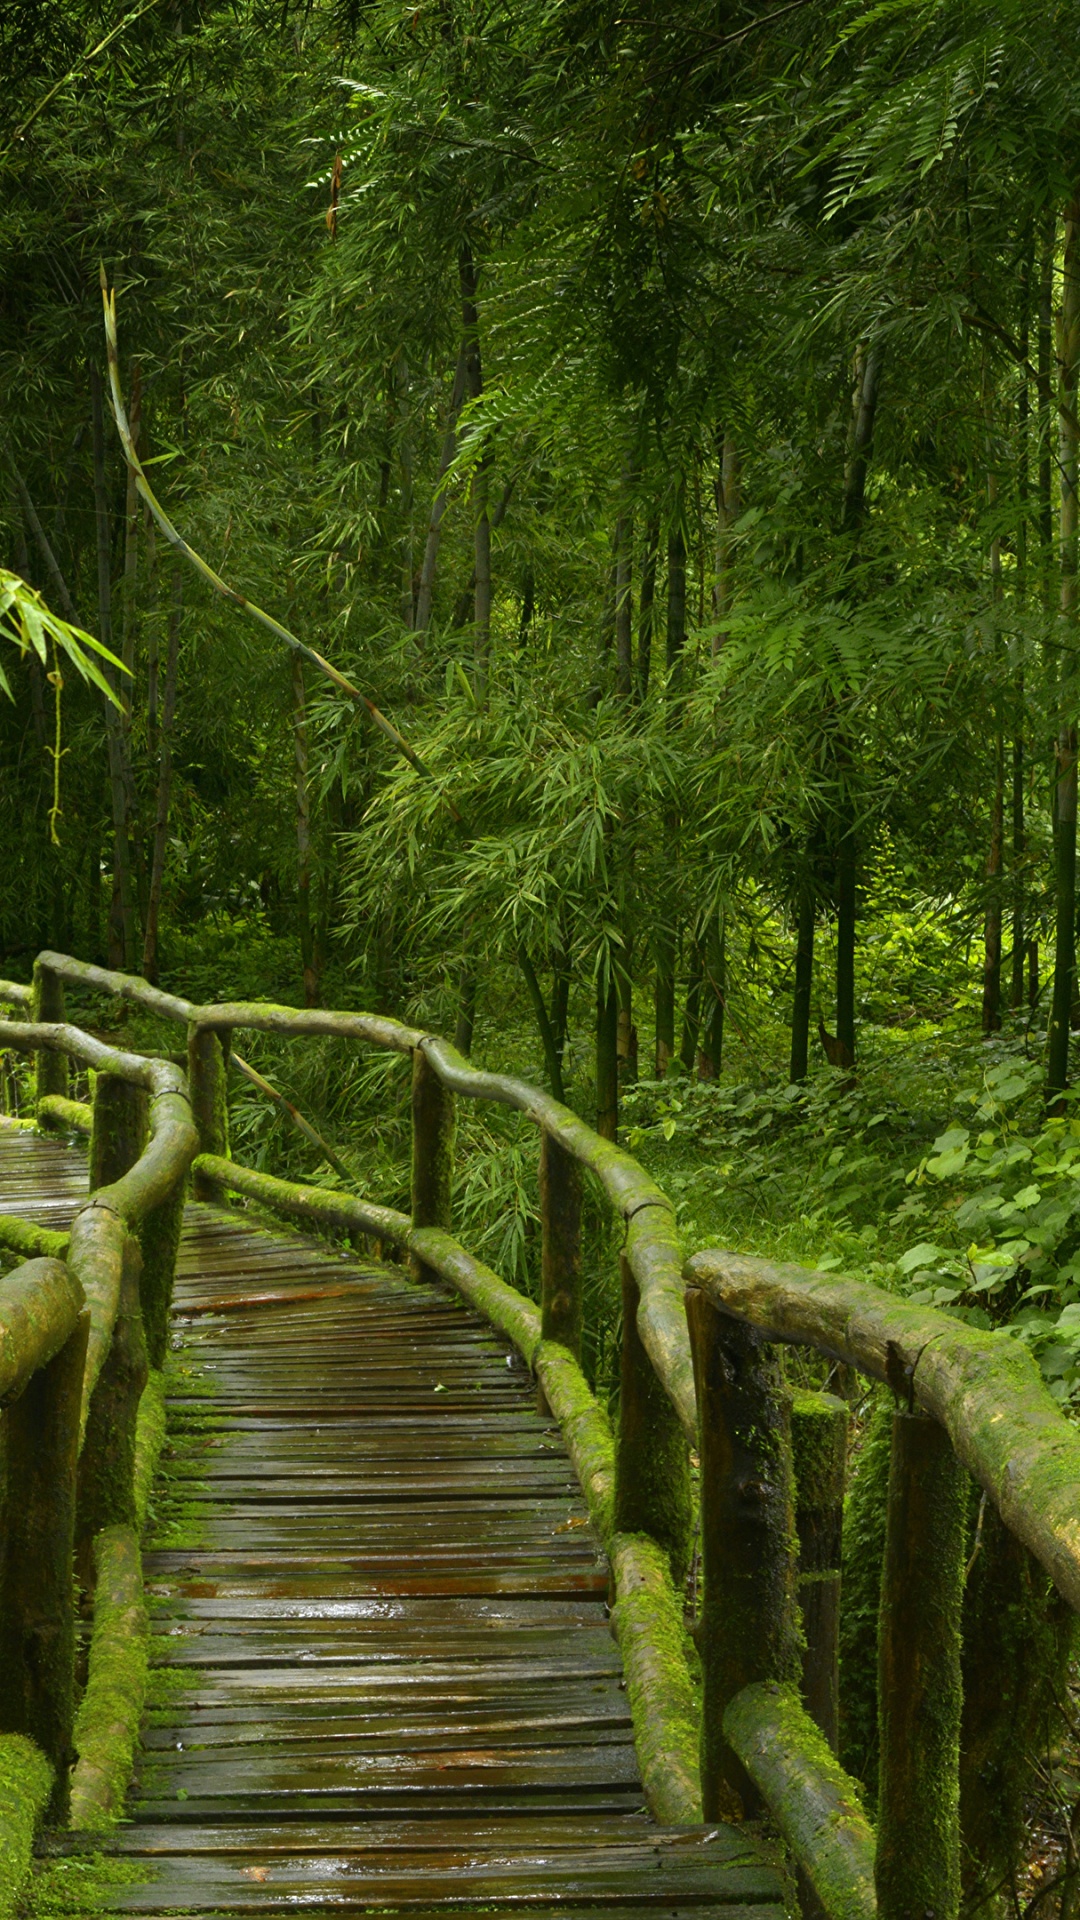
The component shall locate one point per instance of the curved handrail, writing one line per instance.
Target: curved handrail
(652, 1245)
(985, 1389)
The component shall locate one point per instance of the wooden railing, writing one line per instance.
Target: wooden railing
(699, 1368)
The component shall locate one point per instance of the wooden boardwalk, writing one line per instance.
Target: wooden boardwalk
(390, 1681)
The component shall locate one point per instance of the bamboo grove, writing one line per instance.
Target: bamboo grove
(669, 419)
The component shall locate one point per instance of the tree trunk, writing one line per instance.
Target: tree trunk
(607, 1056)
(845, 943)
(711, 1055)
(676, 606)
(474, 380)
(665, 998)
(626, 1047)
(728, 508)
(647, 606)
(164, 785)
(122, 947)
(691, 1026)
(552, 1051)
(1065, 850)
(991, 997)
(624, 605)
(426, 588)
(303, 835)
(804, 975)
(466, 1019)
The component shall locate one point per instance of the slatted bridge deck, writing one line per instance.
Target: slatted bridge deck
(384, 1679)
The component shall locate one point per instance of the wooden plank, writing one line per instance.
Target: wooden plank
(391, 1685)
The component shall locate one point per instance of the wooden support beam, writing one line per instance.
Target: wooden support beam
(47, 1005)
(748, 1629)
(106, 1494)
(652, 1464)
(208, 1090)
(560, 1248)
(919, 1684)
(37, 1609)
(434, 1125)
(819, 1432)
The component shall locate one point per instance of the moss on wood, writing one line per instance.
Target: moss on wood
(149, 1440)
(107, 1724)
(72, 1115)
(814, 1802)
(652, 1475)
(26, 1783)
(37, 1243)
(585, 1428)
(863, 1553)
(648, 1624)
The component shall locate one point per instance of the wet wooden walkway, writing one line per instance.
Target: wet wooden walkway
(386, 1680)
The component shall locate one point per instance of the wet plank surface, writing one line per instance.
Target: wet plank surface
(384, 1675)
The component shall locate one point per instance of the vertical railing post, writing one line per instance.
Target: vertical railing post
(560, 1245)
(107, 1464)
(434, 1124)
(121, 1125)
(748, 1628)
(106, 1491)
(37, 1682)
(47, 1008)
(208, 1067)
(917, 1869)
(819, 1433)
(652, 1463)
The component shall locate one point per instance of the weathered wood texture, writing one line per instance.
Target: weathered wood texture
(748, 1629)
(985, 1389)
(393, 1684)
(652, 1243)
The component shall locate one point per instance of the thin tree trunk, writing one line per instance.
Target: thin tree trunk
(122, 947)
(426, 588)
(624, 605)
(164, 783)
(711, 1055)
(548, 1040)
(528, 606)
(860, 447)
(474, 380)
(607, 1059)
(626, 1046)
(405, 454)
(1046, 332)
(804, 975)
(991, 998)
(1065, 890)
(676, 607)
(846, 870)
(466, 1018)
(691, 1025)
(647, 606)
(728, 508)
(303, 835)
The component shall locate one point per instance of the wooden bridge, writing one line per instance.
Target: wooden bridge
(413, 1618)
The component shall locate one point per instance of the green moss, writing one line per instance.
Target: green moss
(863, 1552)
(819, 1464)
(107, 1723)
(647, 1620)
(1018, 1634)
(26, 1781)
(149, 1440)
(82, 1884)
(159, 1238)
(35, 1243)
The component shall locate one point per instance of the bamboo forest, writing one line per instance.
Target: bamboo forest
(540, 1024)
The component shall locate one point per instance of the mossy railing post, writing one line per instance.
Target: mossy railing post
(819, 1432)
(560, 1248)
(37, 1596)
(208, 1066)
(106, 1488)
(652, 1462)
(917, 1868)
(47, 1005)
(434, 1124)
(748, 1629)
(121, 1126)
